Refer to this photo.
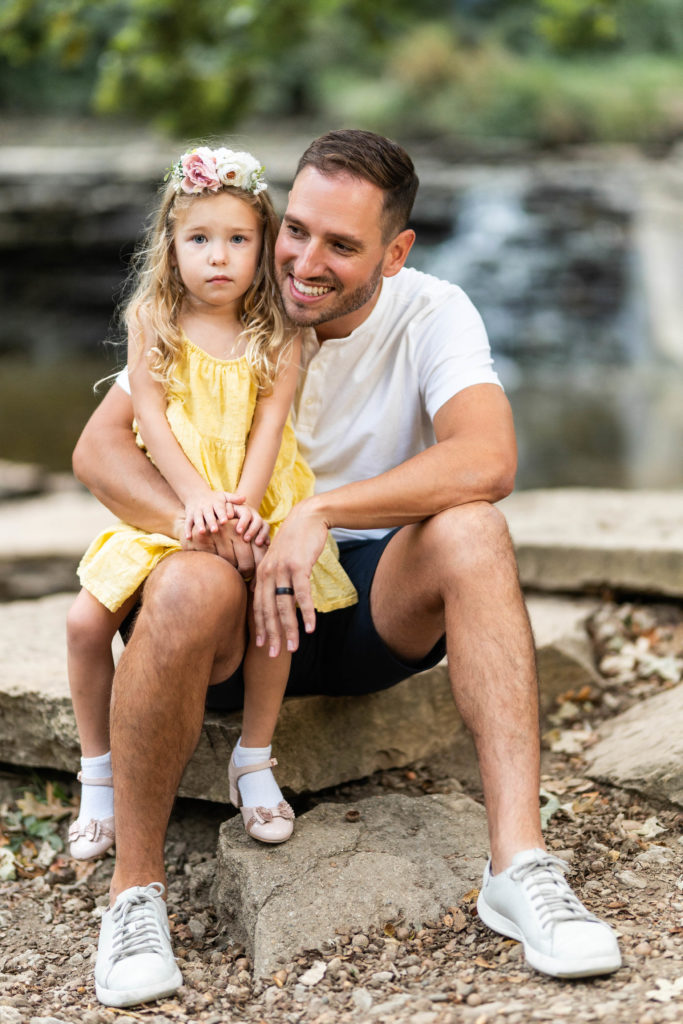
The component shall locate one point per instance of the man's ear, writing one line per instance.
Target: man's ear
(397, 252)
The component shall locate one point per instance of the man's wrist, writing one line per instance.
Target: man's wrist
(318, 507)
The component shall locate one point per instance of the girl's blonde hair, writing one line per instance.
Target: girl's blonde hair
(158, 293)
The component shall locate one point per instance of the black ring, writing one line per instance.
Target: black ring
(285, 590)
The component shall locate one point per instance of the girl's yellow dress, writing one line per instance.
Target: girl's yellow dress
(210, 411)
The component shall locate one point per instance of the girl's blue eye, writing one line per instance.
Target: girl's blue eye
(238, 238)
(199, 238)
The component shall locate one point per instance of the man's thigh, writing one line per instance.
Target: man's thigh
(346, 654)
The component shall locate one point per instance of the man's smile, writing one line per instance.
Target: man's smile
(309, 290)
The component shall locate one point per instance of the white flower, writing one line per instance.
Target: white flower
(239, 169)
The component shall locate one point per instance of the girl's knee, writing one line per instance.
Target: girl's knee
(89, 623)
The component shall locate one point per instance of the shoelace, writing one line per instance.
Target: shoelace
(550, 895)
(136, 926)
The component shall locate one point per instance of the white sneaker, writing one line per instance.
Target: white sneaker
(531, 901)
(135, 961)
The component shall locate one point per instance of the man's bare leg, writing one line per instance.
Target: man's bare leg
(190, 632)
(457, 571)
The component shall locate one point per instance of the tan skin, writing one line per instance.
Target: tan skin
(455, 549)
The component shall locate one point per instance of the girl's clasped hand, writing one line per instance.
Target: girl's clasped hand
(207, 513)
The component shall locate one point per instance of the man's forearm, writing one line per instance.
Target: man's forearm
(421, 487)
(110, 464)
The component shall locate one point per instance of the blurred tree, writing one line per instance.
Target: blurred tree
(198, 67)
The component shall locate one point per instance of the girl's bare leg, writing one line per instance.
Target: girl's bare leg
(265, 680)
(90, 629)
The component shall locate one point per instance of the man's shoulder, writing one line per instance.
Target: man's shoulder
(420, 295)
(417, 284)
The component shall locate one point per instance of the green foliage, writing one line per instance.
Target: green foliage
(571, 25)
(546, 70)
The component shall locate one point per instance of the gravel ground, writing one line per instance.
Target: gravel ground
(625, 855)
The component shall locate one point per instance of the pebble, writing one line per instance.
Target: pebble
(10, 1015)
(361, 941)
(361, 999)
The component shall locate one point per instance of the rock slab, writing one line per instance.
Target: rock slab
(570, 539)
(319, 741)
(642, 748)
(404, 859)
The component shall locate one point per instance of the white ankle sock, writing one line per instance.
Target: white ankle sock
(257, 789)
(96, 801)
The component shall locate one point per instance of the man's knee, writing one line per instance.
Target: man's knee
(468, 534)
(194, 587)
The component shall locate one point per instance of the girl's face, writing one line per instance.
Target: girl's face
(217, 244)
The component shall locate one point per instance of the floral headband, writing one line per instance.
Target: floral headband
(205, 169)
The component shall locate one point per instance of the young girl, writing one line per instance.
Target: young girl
(212, 368)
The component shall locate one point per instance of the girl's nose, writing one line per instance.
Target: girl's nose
(218, 253)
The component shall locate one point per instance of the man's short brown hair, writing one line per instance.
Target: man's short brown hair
(378, 160)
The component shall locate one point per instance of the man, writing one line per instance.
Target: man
(406, 426)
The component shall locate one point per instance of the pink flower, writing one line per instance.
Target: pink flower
(199, 169)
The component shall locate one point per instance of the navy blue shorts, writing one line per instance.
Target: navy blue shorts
(344, 655)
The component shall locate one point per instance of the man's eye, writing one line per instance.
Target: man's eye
(294, 230)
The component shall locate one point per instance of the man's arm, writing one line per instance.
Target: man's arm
(474, 459)
(111, 465)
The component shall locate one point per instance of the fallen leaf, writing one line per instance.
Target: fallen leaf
(666, 990)
(470, 896)
(585, 803)
(459, 921)
(550, 807)
(314, 974)
(481, 962)
(51, 807)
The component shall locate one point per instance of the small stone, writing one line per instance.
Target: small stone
(197, 928)
(361, 941)
(643, 949)
(380, 978)
(361, 999)
(334, 967)
(10, 1015)
(474, 999)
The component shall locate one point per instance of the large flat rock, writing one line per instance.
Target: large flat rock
(319, 741)
(577, 539)
(642, 749)
(568, 539)
(404, 859)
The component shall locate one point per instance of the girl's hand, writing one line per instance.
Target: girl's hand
(209, 511)
(251, 526)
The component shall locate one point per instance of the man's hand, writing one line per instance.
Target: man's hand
(288, 563)
(226, 543)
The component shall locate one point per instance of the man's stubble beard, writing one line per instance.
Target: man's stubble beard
(345, 304)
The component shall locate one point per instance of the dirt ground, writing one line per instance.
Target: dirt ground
(625, 855)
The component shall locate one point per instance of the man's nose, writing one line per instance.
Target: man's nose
(308, 261)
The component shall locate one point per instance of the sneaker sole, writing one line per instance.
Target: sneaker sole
(131, 996)
(541, 961)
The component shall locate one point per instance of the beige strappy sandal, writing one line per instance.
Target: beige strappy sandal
(267, 824)
(92, 840)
